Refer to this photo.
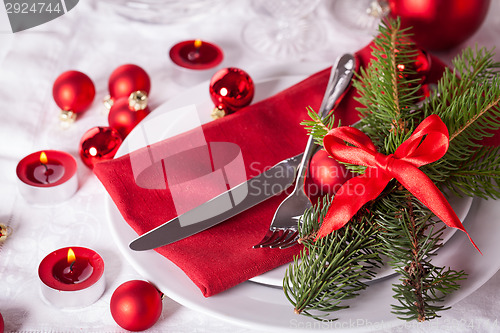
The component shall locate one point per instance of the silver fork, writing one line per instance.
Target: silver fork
(283, 231)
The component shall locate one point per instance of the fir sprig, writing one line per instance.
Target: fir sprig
(318, 126)
(389, 89)
(393, 106)
(468, 102)
(398, 225)
(332, 269)
(410, 238)
(478, 176)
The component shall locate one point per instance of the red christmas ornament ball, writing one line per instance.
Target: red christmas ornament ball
(421, 65)
(231, 89)
(99, 144)
(123, 118)
(126, 79)
(326, 174)
(73, 91)
(440, 24)
(1, 324)
(136, 305)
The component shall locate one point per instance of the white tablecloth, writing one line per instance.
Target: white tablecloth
(93, 39)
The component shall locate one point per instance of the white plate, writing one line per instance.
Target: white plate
(261, 307)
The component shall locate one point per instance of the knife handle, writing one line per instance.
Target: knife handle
(340, 77)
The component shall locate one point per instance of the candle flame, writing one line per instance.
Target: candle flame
(197, 43)
(43, 158)
(71, 256)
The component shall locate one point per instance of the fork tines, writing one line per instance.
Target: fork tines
(279, 238)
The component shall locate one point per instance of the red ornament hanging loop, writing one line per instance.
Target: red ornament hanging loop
(73, 92)
(230, 90)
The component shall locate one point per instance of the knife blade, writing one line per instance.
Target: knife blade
(254, 191)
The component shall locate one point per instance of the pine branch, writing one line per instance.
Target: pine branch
(478, 176)
(332, 269)
(490, 107)
(318, 127)
(468, 101)
(389, 88)
(412, 237)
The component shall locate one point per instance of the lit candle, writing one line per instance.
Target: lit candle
(46, 172)
(47, 177)
(72, 277)
(196, 55)
(72, 269)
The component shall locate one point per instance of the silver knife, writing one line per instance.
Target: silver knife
(255, 190)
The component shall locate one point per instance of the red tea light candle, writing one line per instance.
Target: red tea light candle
(72, 277)
(47, 177)
(196, 55)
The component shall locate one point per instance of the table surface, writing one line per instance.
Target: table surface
(94, 39)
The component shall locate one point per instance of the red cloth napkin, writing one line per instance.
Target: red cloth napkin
(267, 132)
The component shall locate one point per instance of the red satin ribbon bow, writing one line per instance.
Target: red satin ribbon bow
(428, 143)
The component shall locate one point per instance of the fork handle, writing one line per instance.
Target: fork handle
(340, 77)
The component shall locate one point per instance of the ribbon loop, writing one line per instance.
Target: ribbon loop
(428, 143)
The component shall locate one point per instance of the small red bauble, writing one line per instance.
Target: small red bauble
(99, 144)
(440, 24)
(230, 90)
(136, 305)
(421, 65)
(73, 93)
(1, 324)
(127, 79)
(123, 118)
(326, 174)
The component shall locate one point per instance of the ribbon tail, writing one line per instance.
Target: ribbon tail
(349, 199)
(427, 192)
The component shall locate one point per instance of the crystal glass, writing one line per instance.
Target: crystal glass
(360, 14)
(283, 28)
(163, 11)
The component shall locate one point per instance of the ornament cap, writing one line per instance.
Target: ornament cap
(138, 100)
(5, 231)
(379, 9)
(67, 117)
(218, 112)
(108, 102)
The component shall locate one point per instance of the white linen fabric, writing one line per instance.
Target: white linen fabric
(94, 39)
